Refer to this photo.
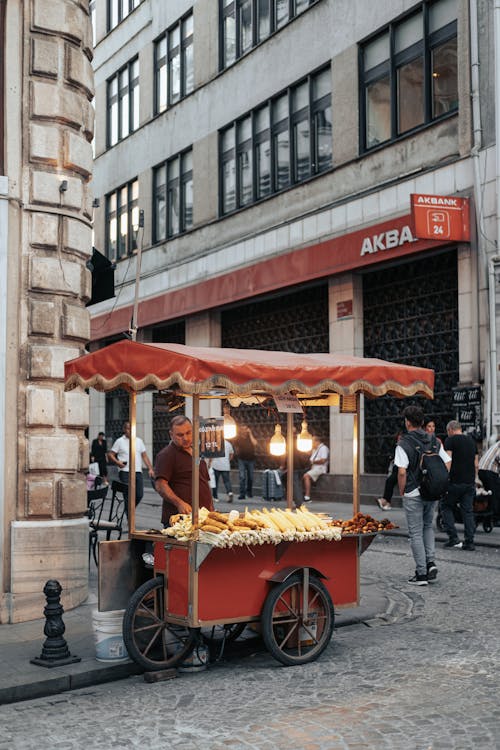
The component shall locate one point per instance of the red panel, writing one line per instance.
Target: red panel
(441, 217)
(233, 583)
(384, 241)
(178, 581)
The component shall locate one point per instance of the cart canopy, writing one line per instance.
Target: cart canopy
(208, 371)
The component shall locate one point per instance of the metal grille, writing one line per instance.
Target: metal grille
(410, 316)
(296, 322)
(116, 413)
(174, 333)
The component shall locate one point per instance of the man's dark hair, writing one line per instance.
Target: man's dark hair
(101, 433)
(414, 415)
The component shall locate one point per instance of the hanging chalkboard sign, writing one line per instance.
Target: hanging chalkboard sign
(212, 437)
(468, 409)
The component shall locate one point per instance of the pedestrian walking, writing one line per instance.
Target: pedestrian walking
(391, 481)
(489, 474)
(99, 454)
(222, 470)
(462, 487)
(245, 445)
(120, 456)
(419, 512)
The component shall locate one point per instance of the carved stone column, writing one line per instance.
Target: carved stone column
(48, 533)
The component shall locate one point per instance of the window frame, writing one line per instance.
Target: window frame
(123, 9)
(132, 91)
(184, 177)
(186, 42)
(390, 67)
(120, 209)
(271, 134)
(231, 9)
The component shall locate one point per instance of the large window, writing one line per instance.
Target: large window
(281, 143)
(174, 75)
(245, 23)
(120, 9)
(122, 220)
(123, 102)
(409, 73)
(173, 196)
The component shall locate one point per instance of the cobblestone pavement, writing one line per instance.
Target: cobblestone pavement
(426, 677)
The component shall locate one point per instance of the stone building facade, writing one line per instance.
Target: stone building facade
(45, 241)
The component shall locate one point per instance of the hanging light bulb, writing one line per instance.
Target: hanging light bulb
(277, 446)
(229, 425)
(304, 439)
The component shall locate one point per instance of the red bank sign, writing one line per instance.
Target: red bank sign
(440, 217)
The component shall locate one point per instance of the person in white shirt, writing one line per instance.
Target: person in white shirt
(222, 468)
(120, 456)
(319, 465)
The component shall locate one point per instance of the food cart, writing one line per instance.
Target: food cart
(289, 585)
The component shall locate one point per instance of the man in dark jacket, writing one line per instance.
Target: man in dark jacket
(462, 488)
(419, 512)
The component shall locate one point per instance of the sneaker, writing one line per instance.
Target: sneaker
(230, 497)
(419, 579)
(307, 499)
(432, 571)
(469, 546)
(453, 543)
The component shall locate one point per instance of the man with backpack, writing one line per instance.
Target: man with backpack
(423, 466)
(462, 488)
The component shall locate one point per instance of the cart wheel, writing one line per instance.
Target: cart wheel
(289, 637)
(151, 641)
(488, 526)
(218, 634)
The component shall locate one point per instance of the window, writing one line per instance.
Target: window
(409, 73)
(173, 196)
(281, 143)
(122, 220)
(245, 23)
(174, 72)
(120, 9)
(123, 103)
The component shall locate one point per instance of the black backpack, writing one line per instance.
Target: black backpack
(430, 471)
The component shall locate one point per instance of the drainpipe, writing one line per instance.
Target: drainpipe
(486, 271)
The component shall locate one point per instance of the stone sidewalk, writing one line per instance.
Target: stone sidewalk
(21, 680)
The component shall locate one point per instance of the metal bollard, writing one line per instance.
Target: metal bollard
(55, 652)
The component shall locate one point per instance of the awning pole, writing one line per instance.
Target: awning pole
(289, 459)
(355, 460)
(195, 489)
(131, 467)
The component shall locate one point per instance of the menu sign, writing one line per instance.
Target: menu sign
(468, 410)
(212, 437)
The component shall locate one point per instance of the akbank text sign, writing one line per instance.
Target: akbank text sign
(440, 217)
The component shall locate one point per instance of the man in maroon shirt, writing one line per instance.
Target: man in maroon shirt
(173, 472)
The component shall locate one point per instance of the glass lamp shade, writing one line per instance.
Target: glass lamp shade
(277, 446)
(304, 439)
(229, 426)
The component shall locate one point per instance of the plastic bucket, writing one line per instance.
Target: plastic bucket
(109, 645)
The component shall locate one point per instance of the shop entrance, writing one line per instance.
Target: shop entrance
(410, 316)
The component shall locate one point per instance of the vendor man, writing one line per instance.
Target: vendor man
(173, 472)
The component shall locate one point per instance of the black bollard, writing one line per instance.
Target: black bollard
(55, 652)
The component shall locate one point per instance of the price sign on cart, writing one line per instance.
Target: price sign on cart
(288, 403)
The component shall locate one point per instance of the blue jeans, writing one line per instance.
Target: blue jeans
(462, 494)
(245, 470)
(419, 517)
(226, 478)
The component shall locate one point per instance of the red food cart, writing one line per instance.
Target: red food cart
(198, 590)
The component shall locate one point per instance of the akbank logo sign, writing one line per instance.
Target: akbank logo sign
(388, 240)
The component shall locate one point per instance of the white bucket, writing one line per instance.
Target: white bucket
(109, 645)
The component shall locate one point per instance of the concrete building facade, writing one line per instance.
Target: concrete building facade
(45, 240)
(273, 148)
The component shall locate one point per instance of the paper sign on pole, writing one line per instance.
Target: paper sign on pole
(288, 403)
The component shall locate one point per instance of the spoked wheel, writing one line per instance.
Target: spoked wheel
(151, 641)
(297, 620)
